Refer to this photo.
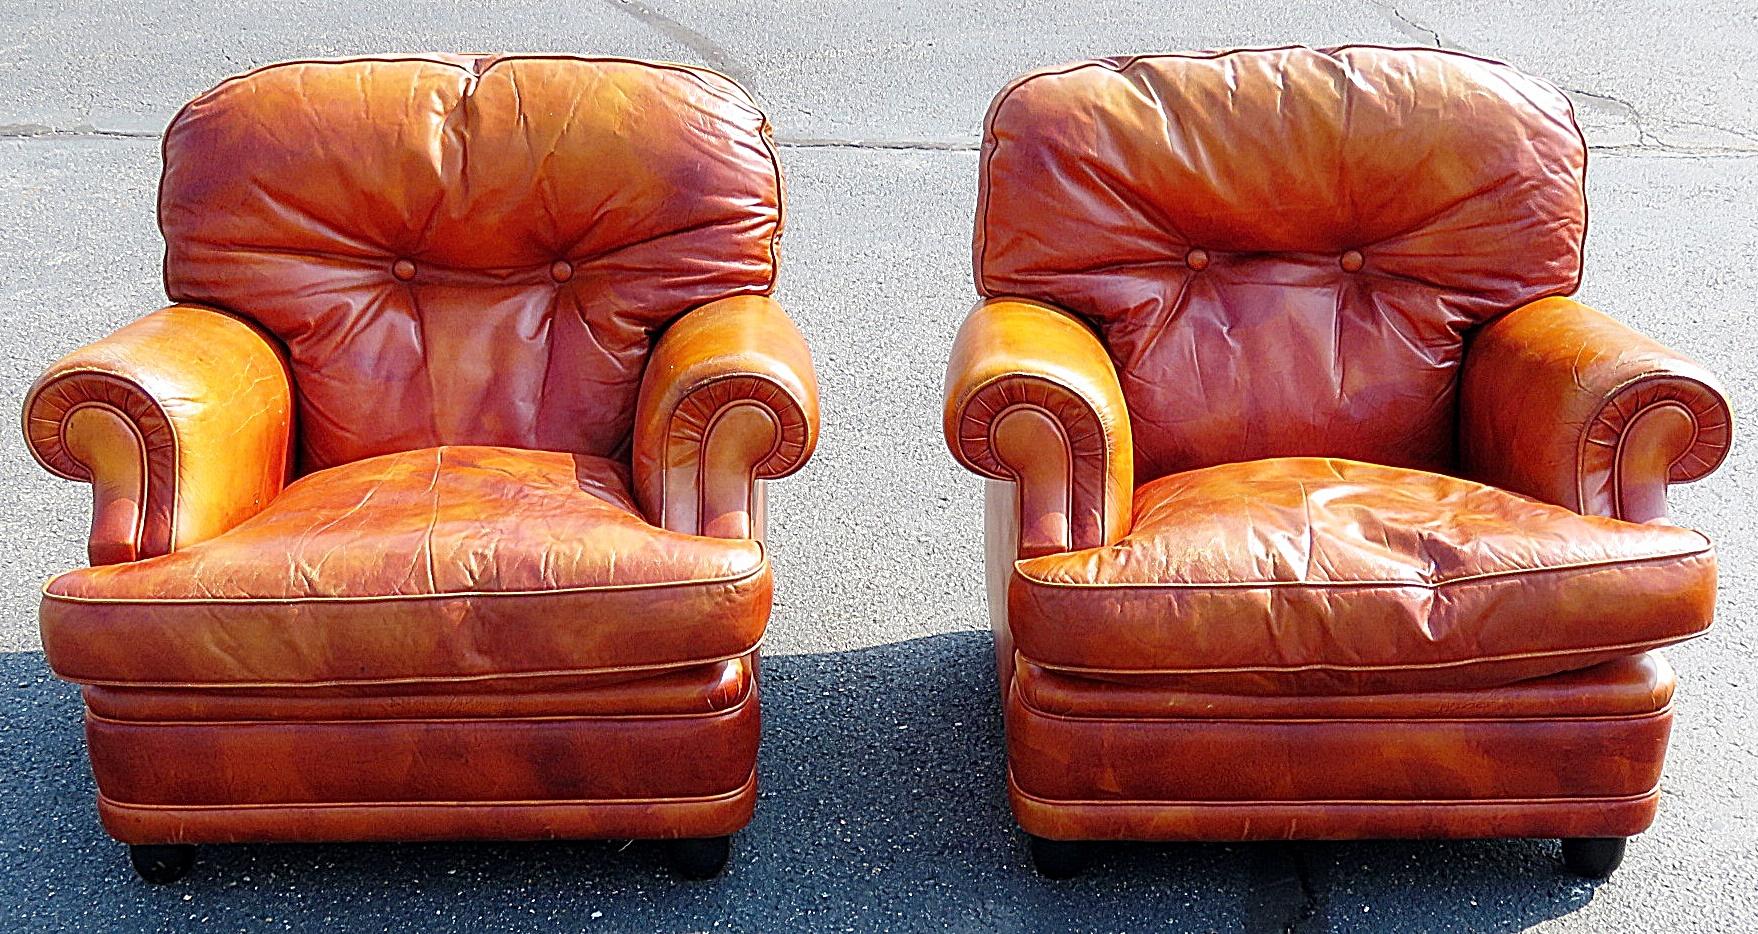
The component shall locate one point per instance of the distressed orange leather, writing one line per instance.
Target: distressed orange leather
(1316, 576)
(729, 399)
(433, 508)
(1571, 755)
(180, 422)
(1284, 249)
(539, 216)
(432, 565)
(1028, 382)
(1563, 403)
(1303, 472)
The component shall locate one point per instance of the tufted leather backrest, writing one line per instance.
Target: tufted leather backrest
(1286, 249)
(468, 251)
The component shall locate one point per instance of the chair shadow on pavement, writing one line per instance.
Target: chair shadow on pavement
(882, 808)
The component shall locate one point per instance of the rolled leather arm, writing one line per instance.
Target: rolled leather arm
(1032, 397)
(729, 398)
(1566, 405)
(180, 421)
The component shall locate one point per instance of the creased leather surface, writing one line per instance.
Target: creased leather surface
(572, 819)
(695, 689)
(196, 437)
(1551, 400)
(1284, 249)
(473, 251)
(195, 766)
(544, 758)
(738, 353)
(1309, 575)
(1031, 397)
(1575, 755)
(1631, 685)
(458, 562)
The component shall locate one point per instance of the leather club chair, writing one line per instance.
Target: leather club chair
(432, 507)
(1316, 510)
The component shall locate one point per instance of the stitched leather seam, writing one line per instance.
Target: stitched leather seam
(422, 679)
(739, 578)
(1365, 584)
(751, 478)
(1491, 719)
(671, 434)
(1629, 648)
(355, 805)
(1013, 786)
(296, 722)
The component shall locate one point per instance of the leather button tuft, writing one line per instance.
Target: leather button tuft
(1352, 261)
(403, 269)
(1197, 258)
(561, 270)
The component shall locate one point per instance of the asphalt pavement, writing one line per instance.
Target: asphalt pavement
(882, 804)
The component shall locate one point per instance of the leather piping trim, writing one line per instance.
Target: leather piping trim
(296, 722)
(980, 464)
(129, 384)
(739, 578)
(1067, 541)
(422, 679)
(989, 143)
(702, 463)
(548, 802)
(1629, 648)
(1707, 548)
(1617, 464)
(1610, 402)
(1013, 785)
(743, 96)
(140, 451)
(1037, 711)
(708, 429)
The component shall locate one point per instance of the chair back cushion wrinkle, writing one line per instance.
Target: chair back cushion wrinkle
(468, 251)
(1286, 249)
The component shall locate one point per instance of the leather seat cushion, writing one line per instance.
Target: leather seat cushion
(449, 563)
(1321, 576)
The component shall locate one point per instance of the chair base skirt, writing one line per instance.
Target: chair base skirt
(1237, 821)
(660, 818)
(616, 760)
(1577, 755)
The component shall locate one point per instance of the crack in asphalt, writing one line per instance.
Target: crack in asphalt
(926, 145)
(1649, 140)
(36, 132)
(1284, 899)
(712, 53)
(1434, 38)
(27, 131)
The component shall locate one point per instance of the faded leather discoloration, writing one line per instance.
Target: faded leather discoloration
(539, 216)
(1323, 288)
(373, 564)
(197, 435)
(1315, 576)
(1565, 404)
